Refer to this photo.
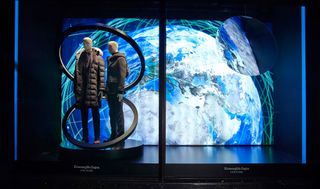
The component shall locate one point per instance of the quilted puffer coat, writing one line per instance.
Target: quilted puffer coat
(89, 78)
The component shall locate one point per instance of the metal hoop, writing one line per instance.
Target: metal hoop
(113, 142)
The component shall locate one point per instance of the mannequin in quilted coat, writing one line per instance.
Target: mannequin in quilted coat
(89, 86)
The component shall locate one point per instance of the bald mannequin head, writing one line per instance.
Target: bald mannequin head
(87, 44)
(113, 47)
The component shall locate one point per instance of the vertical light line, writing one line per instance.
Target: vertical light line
(303, 48)
(15, 93)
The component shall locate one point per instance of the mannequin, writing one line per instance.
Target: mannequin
(89, 86)
(117, 72)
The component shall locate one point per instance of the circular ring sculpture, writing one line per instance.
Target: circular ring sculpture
(105, 144)
(113, 31)
(133, 126)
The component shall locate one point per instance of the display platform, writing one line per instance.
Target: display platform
(127, 149)
(181, 162)
(187, 154)
(228, 161)
(227, 155)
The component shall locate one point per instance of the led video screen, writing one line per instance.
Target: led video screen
(210, 99)
(209, 102)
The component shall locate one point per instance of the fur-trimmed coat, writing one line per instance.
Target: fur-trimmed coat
(89, 78)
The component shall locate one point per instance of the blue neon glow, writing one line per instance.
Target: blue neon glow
(16, 36)
(303, 43)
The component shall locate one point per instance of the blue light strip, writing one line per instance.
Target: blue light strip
(16, 36)
(303, 47)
